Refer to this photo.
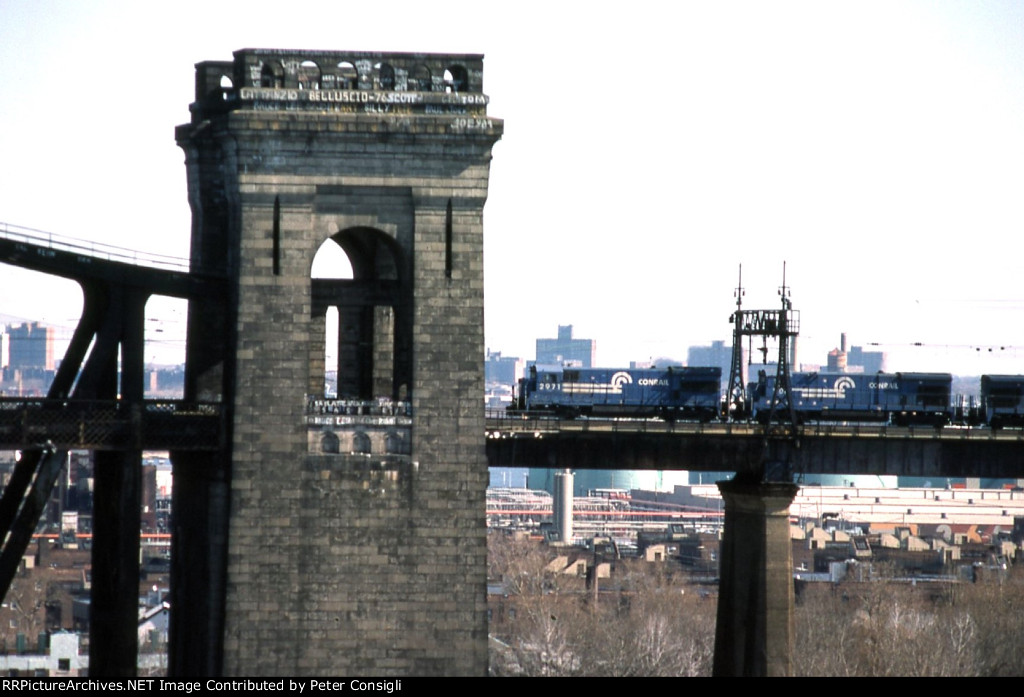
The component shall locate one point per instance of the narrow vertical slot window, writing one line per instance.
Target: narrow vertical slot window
(277, 235)
(448, 241)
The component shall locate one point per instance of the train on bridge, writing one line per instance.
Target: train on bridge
(695, 394)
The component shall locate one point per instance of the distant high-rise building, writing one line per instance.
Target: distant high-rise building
(718, 354)
(869, 361)
(503, 370)
(30, 346)
(565, 349)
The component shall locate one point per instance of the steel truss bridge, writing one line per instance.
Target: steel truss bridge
(96, 401)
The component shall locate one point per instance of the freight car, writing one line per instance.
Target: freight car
(898, 398)
(670, 393)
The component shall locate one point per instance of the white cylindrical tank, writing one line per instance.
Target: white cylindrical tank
(562, 504)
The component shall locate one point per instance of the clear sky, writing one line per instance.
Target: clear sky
(650, 148)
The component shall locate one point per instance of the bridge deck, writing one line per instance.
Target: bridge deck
(86, 261)
(110, 425)
(819, 448)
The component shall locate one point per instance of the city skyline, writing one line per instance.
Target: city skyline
(872, 147)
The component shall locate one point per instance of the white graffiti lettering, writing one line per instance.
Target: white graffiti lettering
(473, 124)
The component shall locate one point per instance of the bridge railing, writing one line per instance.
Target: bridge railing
(97, 250)
(920, 431)
(110, 424)
(500, 424)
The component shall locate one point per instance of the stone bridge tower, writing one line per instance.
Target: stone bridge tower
(342, 528)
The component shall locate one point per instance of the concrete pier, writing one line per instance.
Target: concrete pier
(754, 635)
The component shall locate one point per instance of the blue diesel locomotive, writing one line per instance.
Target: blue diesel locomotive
(669, 393)
(1001, 402)
(695, 394)
(900, 398)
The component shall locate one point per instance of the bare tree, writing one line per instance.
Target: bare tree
(887, 627)
(643, 622)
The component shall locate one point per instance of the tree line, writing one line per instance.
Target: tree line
(656, 619)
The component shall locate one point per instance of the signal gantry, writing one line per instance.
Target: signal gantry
(781, 326)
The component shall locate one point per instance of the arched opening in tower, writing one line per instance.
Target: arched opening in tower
(358, 309)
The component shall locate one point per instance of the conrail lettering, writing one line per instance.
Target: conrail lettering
(651, 382)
